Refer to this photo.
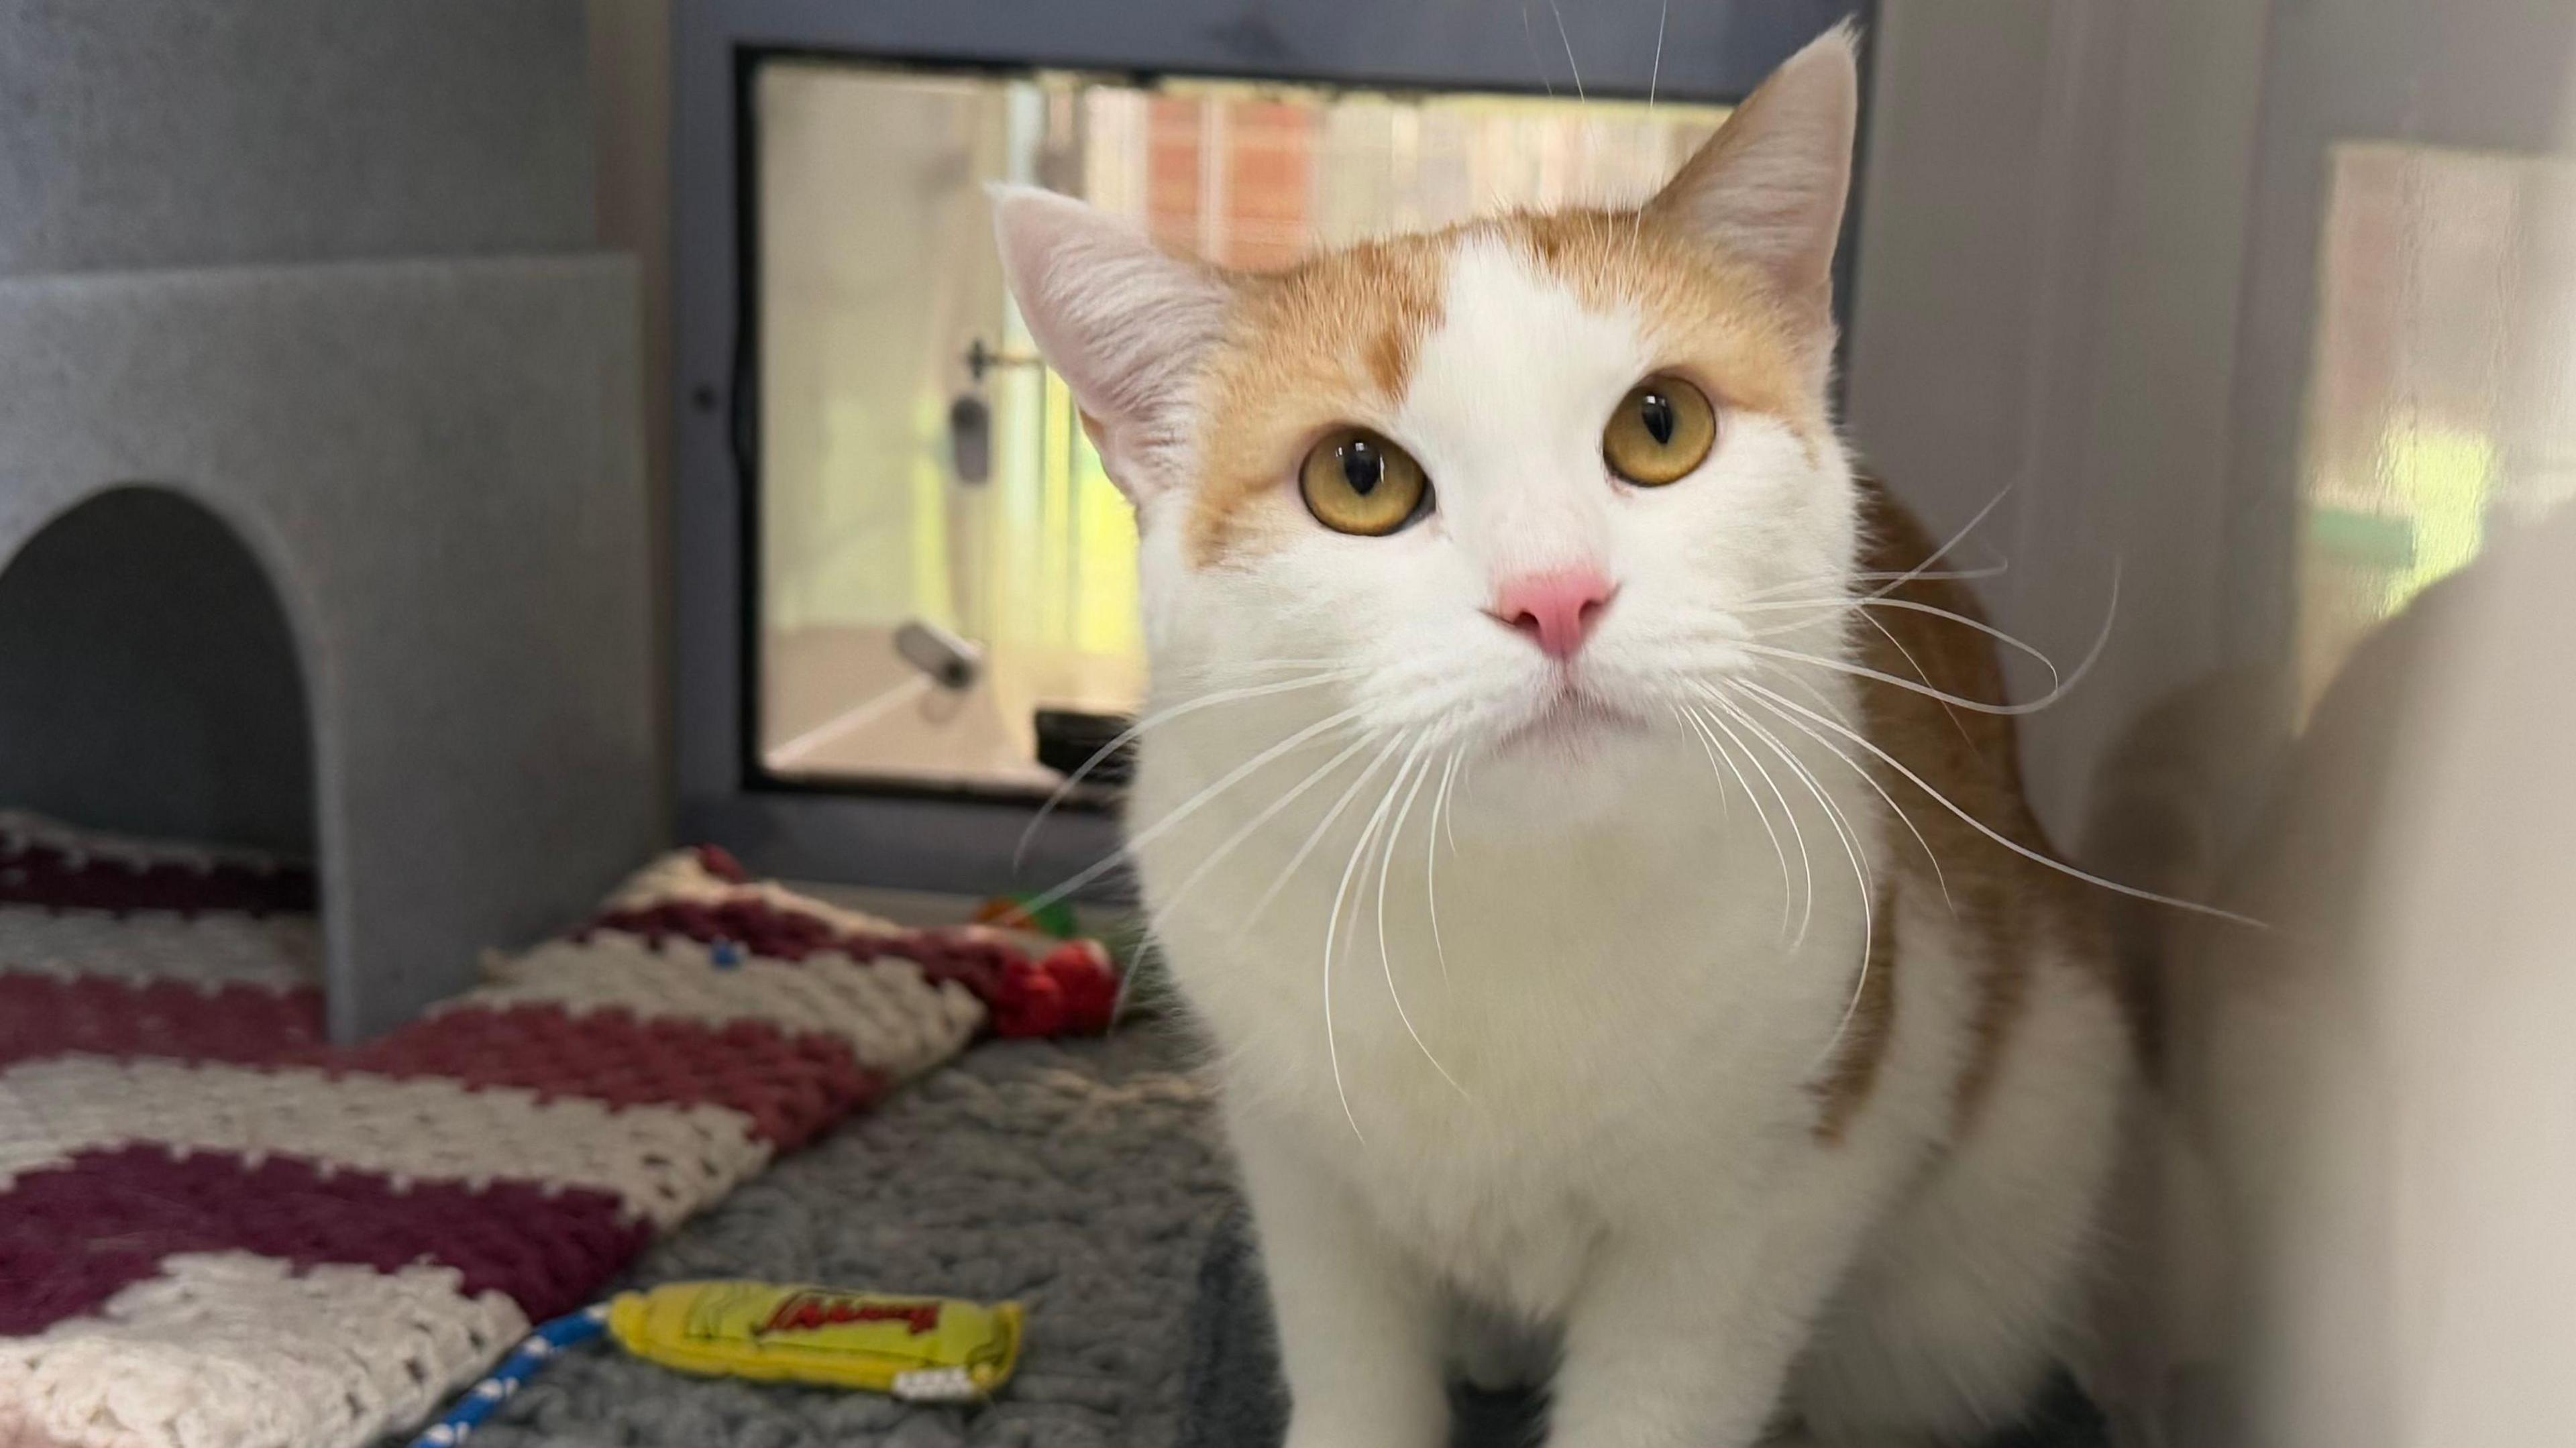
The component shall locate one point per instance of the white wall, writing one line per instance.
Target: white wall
(2089, 261)
(2052, 230)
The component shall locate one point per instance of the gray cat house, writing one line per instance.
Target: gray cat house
(322, 514)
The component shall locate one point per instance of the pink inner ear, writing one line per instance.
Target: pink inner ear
(1557, 610)
(1122, 321)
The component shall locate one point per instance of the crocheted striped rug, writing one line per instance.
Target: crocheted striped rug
(218, 1232)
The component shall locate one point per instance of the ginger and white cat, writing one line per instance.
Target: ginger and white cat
(1537, 818)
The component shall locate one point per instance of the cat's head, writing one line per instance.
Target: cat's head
(1525, 479)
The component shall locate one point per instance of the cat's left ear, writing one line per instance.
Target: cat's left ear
(1768, 188)
(1126, 323)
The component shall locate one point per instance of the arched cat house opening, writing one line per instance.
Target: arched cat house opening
(156, 758)
(381, 600)
(149, 681)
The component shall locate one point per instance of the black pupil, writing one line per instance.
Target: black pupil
(1656, 411)
(1362, 467)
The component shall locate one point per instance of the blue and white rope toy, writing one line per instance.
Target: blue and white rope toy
(532, 1353)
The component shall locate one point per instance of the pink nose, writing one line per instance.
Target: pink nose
(1557, 610)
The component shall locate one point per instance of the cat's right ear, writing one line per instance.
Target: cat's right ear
(1126, 324)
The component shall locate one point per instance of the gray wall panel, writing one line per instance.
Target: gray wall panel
(169, 133)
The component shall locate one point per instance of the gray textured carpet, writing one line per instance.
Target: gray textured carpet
(1085, 1180)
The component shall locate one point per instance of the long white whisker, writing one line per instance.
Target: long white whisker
(1726, 804)
(1385, 958)
(1871, 780)
(1860, 982)
(2017, 847)
(1546, 83)
(1980, 625)
(1926, 675)
(1806, 861)
(1449, 824)
(1655, 74)
(1569, 52)
(1798, 770)
(1815, 691)
(1431, 865)
(1860, 872)
(1709, 745)
(1706, 723)
(1937, 554)
(1843, 580)
(1333, 925)
(1190, 805)
(1130, 734)
(1890, 582)
(1289, 871)
(1863, 607)
(1268, 813)
(1834, 816)
(1979, 706)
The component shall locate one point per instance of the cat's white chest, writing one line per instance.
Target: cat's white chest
(1501, 1086)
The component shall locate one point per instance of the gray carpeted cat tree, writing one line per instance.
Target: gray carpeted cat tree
(322, 521)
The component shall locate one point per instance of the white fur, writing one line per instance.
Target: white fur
(1625, 1167)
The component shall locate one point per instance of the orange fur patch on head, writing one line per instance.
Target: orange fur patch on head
(1331, 340)
(1705, 315)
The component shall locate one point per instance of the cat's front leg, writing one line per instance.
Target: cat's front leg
(1359, 1328)
(1686, 1341)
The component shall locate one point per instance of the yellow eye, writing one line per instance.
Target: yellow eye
(1357, 482)
(1662, 429)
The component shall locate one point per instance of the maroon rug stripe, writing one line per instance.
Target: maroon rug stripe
(40, 874)
(70, 1237)
(238, 1024)
(791, 1086)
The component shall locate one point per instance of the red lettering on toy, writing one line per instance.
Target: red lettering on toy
(813, 1311)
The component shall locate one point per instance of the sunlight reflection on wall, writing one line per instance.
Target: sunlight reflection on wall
(2443, 401)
